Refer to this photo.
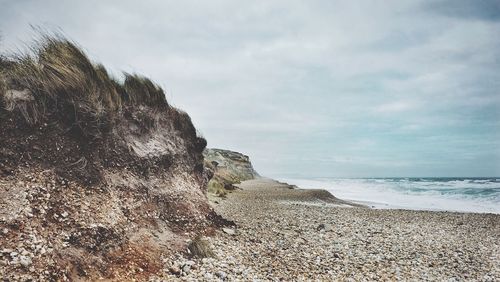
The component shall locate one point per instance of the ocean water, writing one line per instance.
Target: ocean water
(441, 194)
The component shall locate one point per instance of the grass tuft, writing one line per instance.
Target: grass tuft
(3, 86)
(141, 90)
(58, 79)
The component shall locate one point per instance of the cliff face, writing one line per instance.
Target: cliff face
(97, 178)
(229, 168)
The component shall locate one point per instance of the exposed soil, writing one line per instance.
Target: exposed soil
(72, 207)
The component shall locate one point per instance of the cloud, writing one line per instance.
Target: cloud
(290, 82)
(395, 107)
(488, 10)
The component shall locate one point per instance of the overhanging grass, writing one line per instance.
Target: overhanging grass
(141, 90)
(62, 81)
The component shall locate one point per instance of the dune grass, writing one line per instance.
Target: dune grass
(141, 90)
(61, 80)
(3, 85)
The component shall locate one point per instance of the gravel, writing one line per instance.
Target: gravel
(294, 234)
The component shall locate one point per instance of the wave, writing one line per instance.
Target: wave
(450, 194)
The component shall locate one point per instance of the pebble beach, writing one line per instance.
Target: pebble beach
(283, 233)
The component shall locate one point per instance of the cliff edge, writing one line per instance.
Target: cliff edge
(99, 178)
(229, 168)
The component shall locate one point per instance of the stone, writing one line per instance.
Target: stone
(324, 227)
(200, 247)
(221, 274)
(174, 269)
(25, 261)
(229, 231)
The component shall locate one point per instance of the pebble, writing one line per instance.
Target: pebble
(283, 234)
(186, 269)
(25, 261)
(221, 274)
(229, 231)
(175, 270)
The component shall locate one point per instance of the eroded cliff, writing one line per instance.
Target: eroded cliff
(229, 168)
(98, 178)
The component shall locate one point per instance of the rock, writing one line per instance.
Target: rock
(200, 248)
(221, 274)
(229, 168)
(186, 269)
(235, 165)
(324, 227)
(174, 269)
(229, 231)
(300, 240)
(25, 261)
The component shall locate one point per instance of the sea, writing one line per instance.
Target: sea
(481, 195)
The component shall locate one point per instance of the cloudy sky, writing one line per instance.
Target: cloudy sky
(307, 88)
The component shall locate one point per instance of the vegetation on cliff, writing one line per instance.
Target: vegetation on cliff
(229, 168)
(98, 178)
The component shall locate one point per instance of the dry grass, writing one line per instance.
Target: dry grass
(62, 81)
(3, 86)
(141, 90)
(200, 248)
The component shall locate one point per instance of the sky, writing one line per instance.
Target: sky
(307, 88)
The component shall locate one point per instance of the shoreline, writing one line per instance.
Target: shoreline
(298, 234)
(378, 205)
(386, 206)
(388, 198)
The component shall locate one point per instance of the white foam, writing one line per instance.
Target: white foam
(408, 194)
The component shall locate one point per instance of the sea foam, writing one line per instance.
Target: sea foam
(440, 194)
